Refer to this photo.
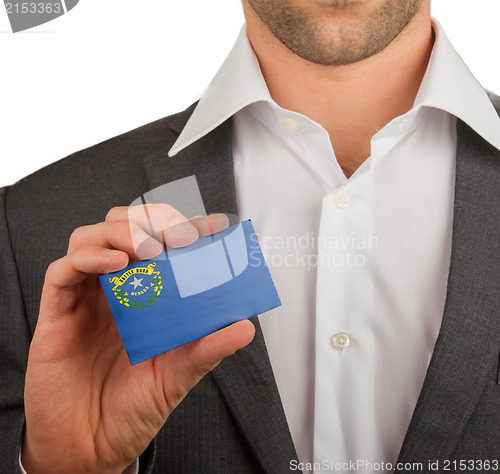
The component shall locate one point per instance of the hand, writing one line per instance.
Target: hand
(87, 409)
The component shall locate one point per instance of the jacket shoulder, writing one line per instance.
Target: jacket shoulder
(123, 150)
(102, 176)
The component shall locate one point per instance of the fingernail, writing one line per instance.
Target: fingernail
(111, 253)
(219, 221)
(182, 226)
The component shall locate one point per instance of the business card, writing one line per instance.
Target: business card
(187, 293)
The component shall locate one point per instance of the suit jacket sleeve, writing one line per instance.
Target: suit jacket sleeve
(15, 337)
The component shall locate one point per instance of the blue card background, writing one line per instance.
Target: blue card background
(229, 263)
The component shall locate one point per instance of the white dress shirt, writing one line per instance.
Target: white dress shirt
(360, 264)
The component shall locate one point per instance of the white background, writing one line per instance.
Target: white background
(109, 66)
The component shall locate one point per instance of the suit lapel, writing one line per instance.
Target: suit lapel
(248, 385)
(466, 349)
(246, 379)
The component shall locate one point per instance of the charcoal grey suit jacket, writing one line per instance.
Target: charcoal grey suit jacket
(233, 420)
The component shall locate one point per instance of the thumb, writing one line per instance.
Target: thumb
(182, 368)
(211, 349)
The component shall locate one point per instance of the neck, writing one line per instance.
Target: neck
(353, 101)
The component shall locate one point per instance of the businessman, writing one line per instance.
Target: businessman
(351, 125)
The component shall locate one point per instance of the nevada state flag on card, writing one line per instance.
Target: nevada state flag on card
(187, 293)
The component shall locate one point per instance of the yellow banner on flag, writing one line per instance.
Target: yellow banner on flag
(119, 281)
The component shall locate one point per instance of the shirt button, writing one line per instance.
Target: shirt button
(289, 125)
(340, 341)
(341, 200)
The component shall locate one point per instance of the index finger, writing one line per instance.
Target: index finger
(167, 224)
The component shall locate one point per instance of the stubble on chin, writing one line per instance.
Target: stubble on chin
(346, 33)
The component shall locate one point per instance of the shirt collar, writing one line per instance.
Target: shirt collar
(450, 86)
(447, 85)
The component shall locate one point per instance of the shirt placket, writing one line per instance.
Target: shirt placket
(343, 310)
